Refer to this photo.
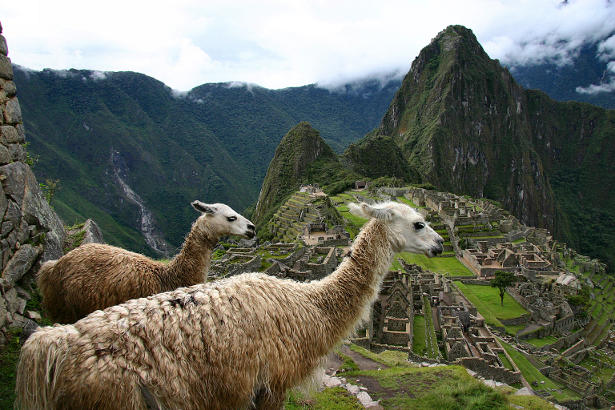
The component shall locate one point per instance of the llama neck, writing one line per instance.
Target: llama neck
(191, 264)
(346, 295)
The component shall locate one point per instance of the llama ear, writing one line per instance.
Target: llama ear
(203, 207)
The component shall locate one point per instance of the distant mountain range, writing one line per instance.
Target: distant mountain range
(132, 153)
(110, 136)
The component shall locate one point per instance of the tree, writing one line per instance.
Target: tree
(501, 281)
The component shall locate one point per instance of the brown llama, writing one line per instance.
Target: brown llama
(95, 276)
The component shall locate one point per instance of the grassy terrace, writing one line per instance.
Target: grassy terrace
(406, 201)
(487, 301)
(542, 341)
(418, 338)
(448, 387)
(531, 374)
(447, 266)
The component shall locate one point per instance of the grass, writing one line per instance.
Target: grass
(353, 222)
(445, 266)
(505, 362)
(336, 398)
(532, 374)
(9, 357)
(448, 387)
(418, 338)
(348, 365)
(487, 301)
(540, 342)
(389, 358)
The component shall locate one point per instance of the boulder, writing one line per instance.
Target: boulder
(12, 111)
(20, 263)
(20, 185)
(93, 234)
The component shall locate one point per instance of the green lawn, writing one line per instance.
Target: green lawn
(353, 222)
(531, 374)
(542, 342)
(336, 398)
(505, 362)
(446, 266)
(487, 301)
(418, 338)
(389, 358)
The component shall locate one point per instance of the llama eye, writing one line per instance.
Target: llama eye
(231, 218)
(419, 225)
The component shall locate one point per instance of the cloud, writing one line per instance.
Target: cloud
(608, 85)
(277, 43)
(606, 49)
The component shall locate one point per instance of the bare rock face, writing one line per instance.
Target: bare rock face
(78, 235)
(93, 234)
(30, 231)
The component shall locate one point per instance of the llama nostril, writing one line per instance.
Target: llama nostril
(251, 227)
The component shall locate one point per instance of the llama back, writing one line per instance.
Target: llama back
(40, 362)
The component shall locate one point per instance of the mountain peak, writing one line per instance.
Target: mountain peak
(299, 148)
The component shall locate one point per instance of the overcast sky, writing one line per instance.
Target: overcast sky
(285, 43)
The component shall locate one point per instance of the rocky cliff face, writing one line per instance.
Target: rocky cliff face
(30, 232)
(299, 148)
(465, 126)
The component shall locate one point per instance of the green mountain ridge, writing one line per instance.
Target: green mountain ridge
(465, 126)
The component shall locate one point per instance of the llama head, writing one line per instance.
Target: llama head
(408, 230)
(222, 220)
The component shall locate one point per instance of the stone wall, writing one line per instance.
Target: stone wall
(483, 368)
(30, 231)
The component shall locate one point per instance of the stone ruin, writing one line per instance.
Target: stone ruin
(548, 310)
(289, 260)
(464, 337)
(523, 258)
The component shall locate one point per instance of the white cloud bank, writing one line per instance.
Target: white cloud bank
(276, 43)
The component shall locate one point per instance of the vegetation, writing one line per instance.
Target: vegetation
(418, 336)
(448, 266)
(448, 387)
(532, 374)
(336, 398)
(486, 299)
(9, 356)
(501, 281)
(389, 358)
